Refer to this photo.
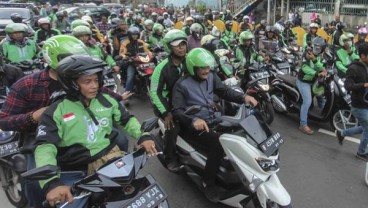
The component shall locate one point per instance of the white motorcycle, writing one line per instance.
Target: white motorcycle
(248, 170)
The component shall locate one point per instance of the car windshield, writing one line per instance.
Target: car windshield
(5, 13)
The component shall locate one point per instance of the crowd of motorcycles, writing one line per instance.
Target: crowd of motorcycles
(247, 172)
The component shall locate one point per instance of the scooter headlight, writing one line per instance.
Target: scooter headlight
(264, 87)
(268, 164)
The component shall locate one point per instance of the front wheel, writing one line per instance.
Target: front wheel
(12, 187)
(266, 110)
(343, 119)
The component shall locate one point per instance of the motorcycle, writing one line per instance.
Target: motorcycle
(159, 53)
(109, 79)
(144, 65)
(248, 171)
(115, 184)
(336, 109)
(279, 61)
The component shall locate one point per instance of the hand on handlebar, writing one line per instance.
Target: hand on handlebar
(251, 100)
(59, 195)
(323, 73)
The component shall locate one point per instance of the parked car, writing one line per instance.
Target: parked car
(28, 17)
(96, 11)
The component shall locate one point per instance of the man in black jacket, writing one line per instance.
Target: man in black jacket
(198, 88)
(357, 82)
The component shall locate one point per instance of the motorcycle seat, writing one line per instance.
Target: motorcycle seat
(291, 80)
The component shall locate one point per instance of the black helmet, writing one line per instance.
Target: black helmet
(16, 18)
(228, 23)
(72, 67)
(115, 22)
(213, 45)
(318, 45)
(133, 31)
(160, 19)
(340, 26)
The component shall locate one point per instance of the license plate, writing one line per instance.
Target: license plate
(150, 197)
(270, 145)
(31, 71)
(9, 148)
(261, 75)
(143, 66)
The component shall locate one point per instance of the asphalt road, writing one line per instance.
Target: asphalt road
(315, 170)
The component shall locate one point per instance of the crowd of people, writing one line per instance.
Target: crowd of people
(75, 131)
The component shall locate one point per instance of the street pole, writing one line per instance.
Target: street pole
(274, 11)
(269, 11)
(287, 8)
(282, 8)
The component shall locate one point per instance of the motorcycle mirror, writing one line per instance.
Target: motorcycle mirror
(41, 173)
(193, 110)
(118, 58)
(149, 124)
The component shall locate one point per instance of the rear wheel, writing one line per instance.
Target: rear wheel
(266, 110)
(13, 189)
(343, 119)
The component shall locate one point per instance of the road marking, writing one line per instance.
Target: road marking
(351, 139)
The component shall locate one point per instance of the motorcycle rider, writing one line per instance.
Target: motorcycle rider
(260, 32)
(312, 67)
(189, 91)
(345, 55)
(30, 96)
(154, 16)
(148, 25)
(61, 23)
(16, 47)
(271, 40)
(118, 35)
(85, 129)
(362, 35)
(138, 23)
(194, 40)
(246, 52)
(207, 21)
(245, 25)
(131, 47)
(163, 79)
(288, 34)
(167, 21)
(228, 35)
(308, 37)
(156, 36)
(96, 34)
(45, 31)
(84, 34)
(188, 22)
(200, 20)
(17, 18)
(357, 82)
(336, 35)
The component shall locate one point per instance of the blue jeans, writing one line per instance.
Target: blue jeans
(306, 93)
(362, 115)
(305, 90)
(352, 131)
(130, 78)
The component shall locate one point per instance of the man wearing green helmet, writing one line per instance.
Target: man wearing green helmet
(312, 68)
(156, 35)
(246, 52)
(228, 35)
(148, 25)
(198, 88)
(163, 80)
(29, 98)
(345, 55)
(83, 33)
(16, 47)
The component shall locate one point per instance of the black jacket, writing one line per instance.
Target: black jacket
(356, 76)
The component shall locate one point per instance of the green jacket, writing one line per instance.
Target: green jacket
(247, 55)
(310, 69)
(97, 52)
(153, 40)
(344, 59)
(68, 137)
(229, 37)
(17, 54)
(63, 25)
(308, 38)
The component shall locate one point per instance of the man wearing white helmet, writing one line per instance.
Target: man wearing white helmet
(244, 26)
(188, 22)
(154, 16)
(167, 22)
(45, 31)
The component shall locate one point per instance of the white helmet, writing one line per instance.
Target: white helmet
(246, 17)
(279, 27)
(216, 32)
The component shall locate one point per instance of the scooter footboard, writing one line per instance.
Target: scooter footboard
(273, 190)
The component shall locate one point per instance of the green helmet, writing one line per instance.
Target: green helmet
(60, 46)
(148, 22)
(157, 27)
(171, 36)
(15, 27)
(318, 89)
(81, 30)
(342, 38)
(350, 35)
(79, 22)
(246, 35)
(199, 57)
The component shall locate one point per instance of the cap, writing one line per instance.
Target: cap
(177, 42)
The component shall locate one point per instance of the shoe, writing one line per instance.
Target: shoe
(174, 166)
(363, 157)
(306, 130)
(212, 192)
(339, 136)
